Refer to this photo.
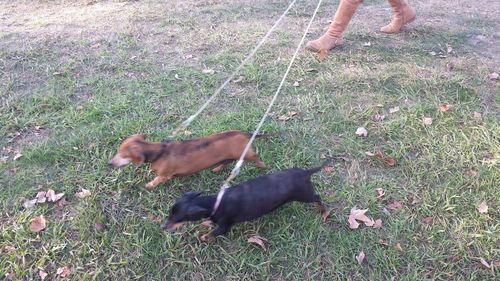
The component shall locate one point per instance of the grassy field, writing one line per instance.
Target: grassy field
(76, 77)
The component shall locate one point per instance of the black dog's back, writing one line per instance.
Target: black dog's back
(264, 194)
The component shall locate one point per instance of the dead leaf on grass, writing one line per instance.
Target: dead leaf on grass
(427, 220)
(367, 44)
(427, 121)
(456, 258)
(378, 117)
(29, 203)
(449, 50)
(361, 132)
(99, 226)
(42, 274)
(387, 160)
(84, 193)
(328, 169)
(322, 54)
(444, 107)
(360, 257)
(287, 116)
(296, 84)
(398, 247)
(493, 76)
(378, 223)
(17, 156)
(482, 208)
(259, 240)
(63, 271)
(394, 205)
(208, 71)
(383, 242)
(393, 110)
(358, 215)
(485, 263)
(41, 197)
(60, 203)
(239, 79)
(8, 248)
(38, 224)
(52, 196)
(477, 116)
(380, 191)
(95, 46)
(370, 153)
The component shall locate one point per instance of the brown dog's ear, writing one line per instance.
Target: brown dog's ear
(137, 154)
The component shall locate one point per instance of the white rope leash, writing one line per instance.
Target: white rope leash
(236, 170)
(188, 121)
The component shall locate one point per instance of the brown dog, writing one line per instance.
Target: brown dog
(183, 158)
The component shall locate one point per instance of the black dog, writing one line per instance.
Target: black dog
(246, 201)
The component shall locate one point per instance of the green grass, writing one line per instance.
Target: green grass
(87, 100)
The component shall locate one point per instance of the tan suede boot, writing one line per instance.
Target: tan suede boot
(403, 14)
(333, 36)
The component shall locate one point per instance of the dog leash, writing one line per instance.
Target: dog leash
(236, 170)
(190, 119)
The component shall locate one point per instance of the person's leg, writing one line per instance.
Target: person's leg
(333, 36)
(403, 14)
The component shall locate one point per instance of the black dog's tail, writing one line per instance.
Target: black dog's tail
(325, 163)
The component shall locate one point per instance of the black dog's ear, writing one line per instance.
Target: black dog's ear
(191, 195)
(196, 211)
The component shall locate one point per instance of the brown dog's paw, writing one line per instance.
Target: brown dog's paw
(325, 215)
(150, 185)
(218, 169)
(206, 237)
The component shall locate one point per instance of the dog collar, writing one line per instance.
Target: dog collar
(219, 198)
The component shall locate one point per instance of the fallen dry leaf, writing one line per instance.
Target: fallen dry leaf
(356, 215)
(10, 276)
(29, 203)
(482, 208)
(60, 203)
(378, 117)
(41, 197)
(259, 240)
(82, 194)
(378, 223)
(496, 262)
(328, 169)
(188, 56)
(394, 205)
(95, 46)
(477, 116)
(296, 84)
(449, 49)
(208, 71)
(360, 257)
(456, 258)
(99, 226)
(485, 263)
(493, 76)
(369, 153)
(17, 156)
(287, 116)
(383, 242)
(444, 107)
(52, 196)
(367, 44)
(398, 247)
(63, 271)
(38, 224)
(322, 54)
(385, 211)
(8, 248)
(239, 79)
(427, 220)
(427, 121)
(394, 109)
(361, 132)
(380, 192)
(42, 274)
(387, 160)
